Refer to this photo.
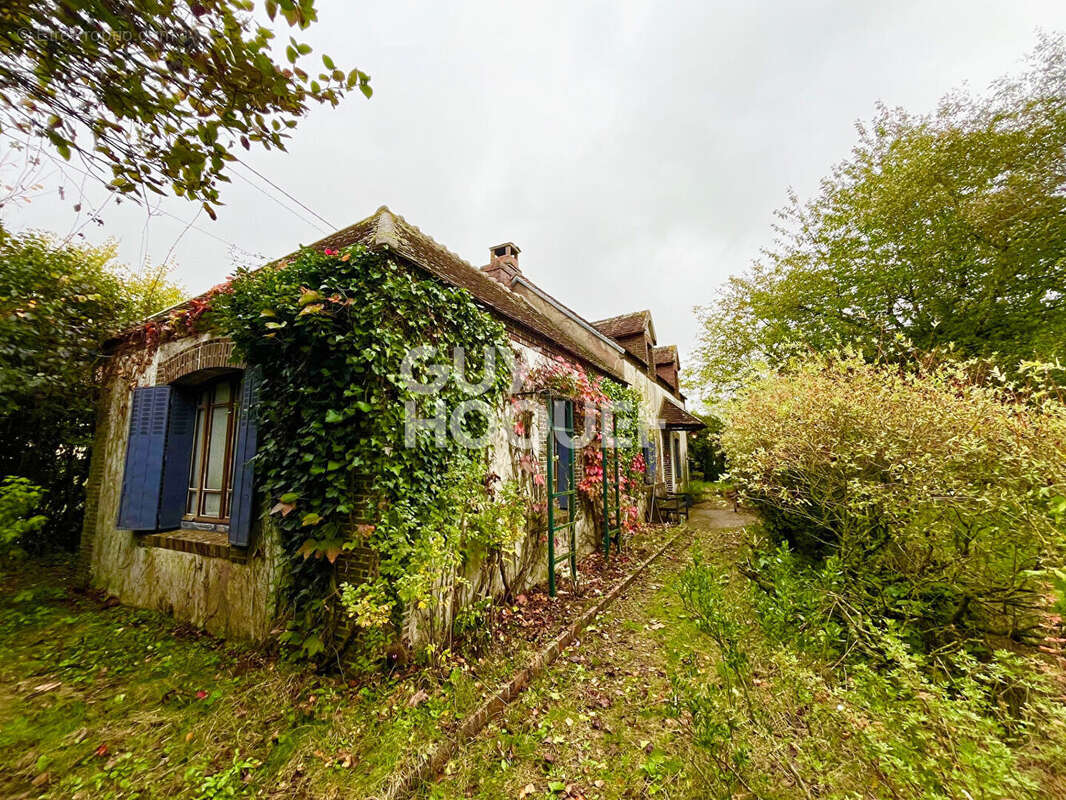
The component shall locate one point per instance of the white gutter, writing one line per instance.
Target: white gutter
(570, 314)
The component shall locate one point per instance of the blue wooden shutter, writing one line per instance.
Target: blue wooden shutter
(563, 422)
(142, 479)
(649, 458)
(181, 429)
(242, 509)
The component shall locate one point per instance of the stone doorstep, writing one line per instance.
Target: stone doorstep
(209, 544)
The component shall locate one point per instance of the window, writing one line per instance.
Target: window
(679, 477)
(563, 439)
(211, 474)
(190, 456)
(649, 449)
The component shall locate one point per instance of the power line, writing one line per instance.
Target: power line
(296, 214)
(190, 224)
(198, 229)
(311, 211)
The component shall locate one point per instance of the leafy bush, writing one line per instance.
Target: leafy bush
(779, 722)
(58, 303)
(928, 497)
(19, 499)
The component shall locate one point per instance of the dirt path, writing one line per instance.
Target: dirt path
(601, 723)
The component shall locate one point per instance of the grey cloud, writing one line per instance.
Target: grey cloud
(635, 151)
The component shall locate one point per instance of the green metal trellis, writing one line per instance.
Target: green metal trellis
(560, 441)
(609, 459)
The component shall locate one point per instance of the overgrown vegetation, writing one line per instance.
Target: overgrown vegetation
(882, 645)
(58, 303)
(332, 330)
(103, 701)
(774, 717)
(934, 497)
(705, 450)
(107, 702)
(890, 417)
(19, 501)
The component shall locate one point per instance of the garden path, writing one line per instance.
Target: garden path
(600, 723)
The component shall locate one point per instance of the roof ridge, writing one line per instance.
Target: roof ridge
(384, 226)
(642, 312)
(431, 240)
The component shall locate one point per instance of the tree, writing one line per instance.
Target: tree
(57, 305)
(705, 449)
(947, 229)
(155, 93)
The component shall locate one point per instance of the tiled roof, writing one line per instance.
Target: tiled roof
(387, 230)
(384, 229)
(676, 418)
(667, 354)
(623, 325)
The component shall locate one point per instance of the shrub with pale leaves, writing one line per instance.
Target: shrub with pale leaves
(939, 492)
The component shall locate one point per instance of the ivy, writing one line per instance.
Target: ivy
(592, 396)
(331, 331)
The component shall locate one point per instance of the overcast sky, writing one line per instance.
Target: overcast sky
(635, 151)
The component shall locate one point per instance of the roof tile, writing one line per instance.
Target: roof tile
(676, 418)
(624, 324)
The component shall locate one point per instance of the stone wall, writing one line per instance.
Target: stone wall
(235, 593)
(227, 592)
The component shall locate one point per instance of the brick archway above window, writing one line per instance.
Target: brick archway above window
(213, 354)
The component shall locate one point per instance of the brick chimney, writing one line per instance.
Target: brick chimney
(503, 263)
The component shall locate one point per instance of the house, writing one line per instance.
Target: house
(175, 521)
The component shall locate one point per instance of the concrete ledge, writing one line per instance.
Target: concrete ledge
(209, 544)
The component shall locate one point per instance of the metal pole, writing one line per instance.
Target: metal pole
(617, 496)
(606, 510)
(551, 500)
(572, 499)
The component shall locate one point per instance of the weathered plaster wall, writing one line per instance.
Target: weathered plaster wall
(223, 596)
(239, 600)
(526, 564)
(653, 395)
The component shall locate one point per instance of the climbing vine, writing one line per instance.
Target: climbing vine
(595, 400)
(331, 331)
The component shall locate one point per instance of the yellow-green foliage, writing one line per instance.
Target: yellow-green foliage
(938, 496)
(773, 720)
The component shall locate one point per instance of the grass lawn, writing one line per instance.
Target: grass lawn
(99, 701)
(602, 723)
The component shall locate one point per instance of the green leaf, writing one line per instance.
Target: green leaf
(312, 646)
(334, 416)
